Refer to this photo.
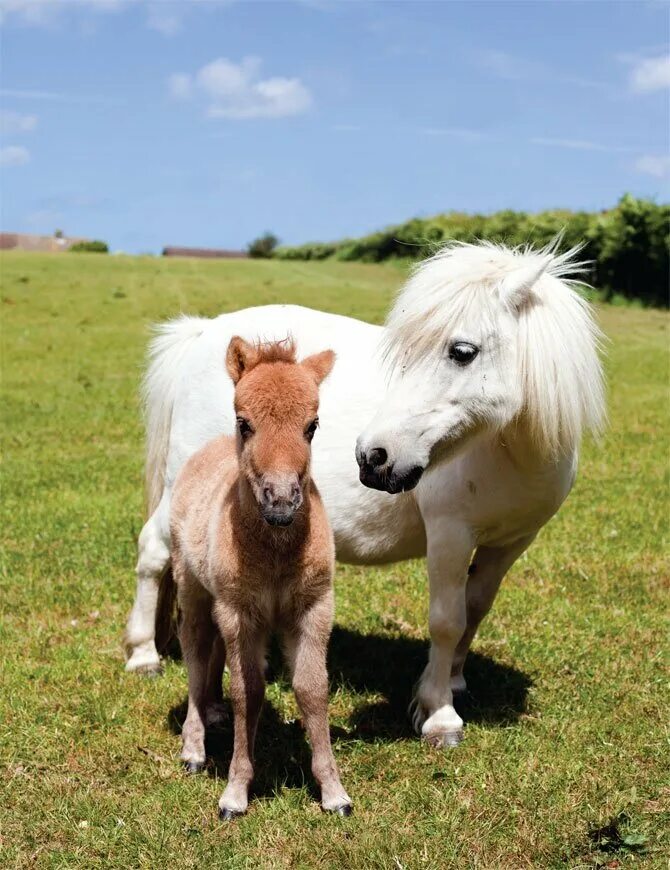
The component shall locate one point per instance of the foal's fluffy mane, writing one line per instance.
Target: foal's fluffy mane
(558, 339)
(275, 351)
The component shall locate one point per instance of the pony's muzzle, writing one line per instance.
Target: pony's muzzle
(377, 472)
(281, 498)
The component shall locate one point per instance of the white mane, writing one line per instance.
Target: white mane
(558, 339)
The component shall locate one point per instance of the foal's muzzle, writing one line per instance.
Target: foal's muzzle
(280, 501)
(376, 472)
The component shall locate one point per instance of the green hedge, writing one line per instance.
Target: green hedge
(629, 244)
(95, 246)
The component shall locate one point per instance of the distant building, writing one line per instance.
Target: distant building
(208, 253)
(29, 242)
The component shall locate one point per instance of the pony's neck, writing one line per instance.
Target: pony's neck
(521, 447)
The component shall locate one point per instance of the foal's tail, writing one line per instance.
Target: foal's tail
(167, 617)
(166, 354)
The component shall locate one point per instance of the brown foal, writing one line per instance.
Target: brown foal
(252, 552)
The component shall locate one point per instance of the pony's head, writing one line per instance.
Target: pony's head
(276, 403)
(482, 337)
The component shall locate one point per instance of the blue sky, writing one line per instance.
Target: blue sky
(206, 123)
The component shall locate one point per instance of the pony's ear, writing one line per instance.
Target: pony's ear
(517, 286)
(240, 357)
(320, 364)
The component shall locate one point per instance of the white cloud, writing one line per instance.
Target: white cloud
(237, 92)
(15, 122)
(14, 155)
(453, 132)
(163, 19)
(44, 13)
(53, 97)
(651, 74)
(653, 164)
(580, 145)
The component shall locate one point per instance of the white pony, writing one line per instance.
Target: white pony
(483, 381)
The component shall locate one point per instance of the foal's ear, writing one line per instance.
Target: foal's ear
(320, 364)
(240, 357)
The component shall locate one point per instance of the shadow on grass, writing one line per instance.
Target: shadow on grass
(390, 666)
(363, 664)
(282, 755)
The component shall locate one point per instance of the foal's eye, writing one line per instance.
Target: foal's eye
(311, 429)
(244, 428)
(462, 352)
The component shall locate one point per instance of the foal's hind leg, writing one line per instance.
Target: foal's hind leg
(153, 560)
(197, 634)
(217, 662)
(489, 566)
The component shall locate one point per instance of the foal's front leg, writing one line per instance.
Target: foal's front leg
(449, 552)
(245, 649)
(306, 649)
(197, 634)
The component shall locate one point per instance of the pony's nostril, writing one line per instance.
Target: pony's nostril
(377, 457)
(267, 493)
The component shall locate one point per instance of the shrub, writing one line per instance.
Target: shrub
(627, 245)
(263, 246)
(95, 246)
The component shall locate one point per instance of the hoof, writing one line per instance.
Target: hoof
(444, 739)
(194, 766)
(227, 815)
(150, 670)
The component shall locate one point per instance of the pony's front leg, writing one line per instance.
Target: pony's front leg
(153, 560)
(449, 551)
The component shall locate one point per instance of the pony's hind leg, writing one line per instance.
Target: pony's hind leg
(153, 561)
(197, 634)
(489, 566)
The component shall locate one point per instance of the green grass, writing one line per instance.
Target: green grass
(565, 761)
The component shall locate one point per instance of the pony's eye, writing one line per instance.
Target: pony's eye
(311, 429)
(462, 352)
(244, 428)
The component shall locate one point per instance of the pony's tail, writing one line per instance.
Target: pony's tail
(166, 354)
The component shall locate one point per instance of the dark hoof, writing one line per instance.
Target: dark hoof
(194, 766)
(227, 815)
(444, 739)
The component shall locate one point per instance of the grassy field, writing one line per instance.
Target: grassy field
(566, 760)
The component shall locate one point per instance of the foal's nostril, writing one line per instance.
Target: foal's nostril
(377, 457)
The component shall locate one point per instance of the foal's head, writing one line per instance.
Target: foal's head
(276, 403)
